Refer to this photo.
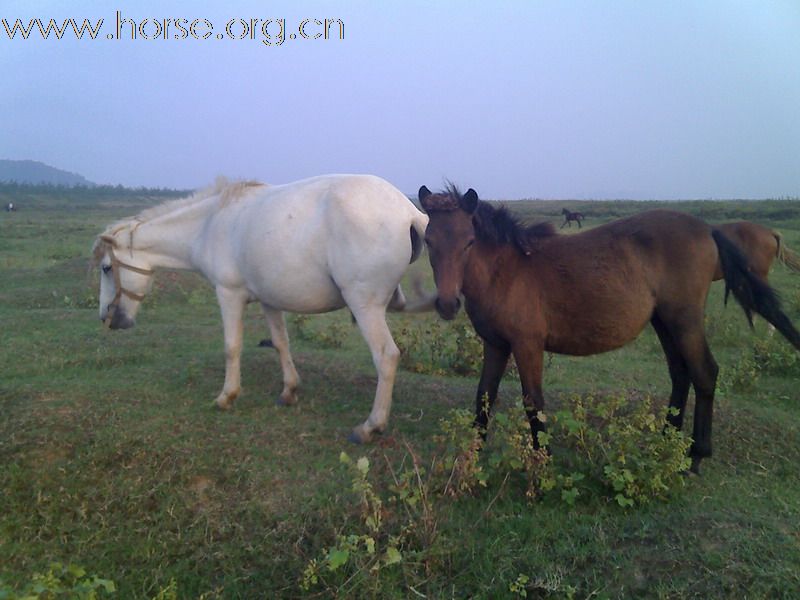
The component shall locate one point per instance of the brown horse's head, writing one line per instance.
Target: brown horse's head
(449, 237)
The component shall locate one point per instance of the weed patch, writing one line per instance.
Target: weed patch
(609, 450)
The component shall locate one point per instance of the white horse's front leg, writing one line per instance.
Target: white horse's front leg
(232, 304)
(385, 354)
(280, 340)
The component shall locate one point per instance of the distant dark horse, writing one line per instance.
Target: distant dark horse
(529, 290)
(571, 216)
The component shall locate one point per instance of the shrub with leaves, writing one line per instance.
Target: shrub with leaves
(439, 348)
(68, 582)
(741, 376)
(325, 334)
(459, 465)
(604, 447)
(775, 356)
(624, 446)
(513, 452)
(368, 551)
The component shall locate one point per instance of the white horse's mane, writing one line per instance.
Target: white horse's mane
(227, 191)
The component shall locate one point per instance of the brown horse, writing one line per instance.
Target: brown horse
(760, 245)
(529, 290)
(570, 216)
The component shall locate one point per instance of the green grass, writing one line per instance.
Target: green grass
(111, 456)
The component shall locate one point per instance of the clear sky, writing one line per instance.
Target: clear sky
(556, 99)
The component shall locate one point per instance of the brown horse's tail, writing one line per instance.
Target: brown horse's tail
(752, 292)
(786, 255)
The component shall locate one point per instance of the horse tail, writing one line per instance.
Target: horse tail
(397, 302)
(419, 223)
(786, 255)
(753, 293)
(424, 301)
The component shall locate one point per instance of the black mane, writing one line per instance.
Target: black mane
(496, 225)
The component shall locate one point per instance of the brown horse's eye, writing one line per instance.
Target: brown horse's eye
(469, 244)
(106, 269)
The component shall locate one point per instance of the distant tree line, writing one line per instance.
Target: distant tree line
(84, 191)
(49, 195)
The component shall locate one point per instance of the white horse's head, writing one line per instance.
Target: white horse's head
(125, 279)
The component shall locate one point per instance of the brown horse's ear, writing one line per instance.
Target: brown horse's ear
(423, 194)
(469, 201)
(109, 240)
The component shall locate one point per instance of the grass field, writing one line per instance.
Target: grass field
(112, 458)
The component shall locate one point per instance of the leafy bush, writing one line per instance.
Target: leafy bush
(769, 355)
(459, 443)
(72, 582)
(331, 335)
(437, 347)
(513, 452)
(605, 448)
(775, 356)
(440, 348)
(742, 376)
(624, 447)
(369, 551)
(61, 582)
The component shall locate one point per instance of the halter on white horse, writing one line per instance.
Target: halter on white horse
(116, 266)
(311, 246)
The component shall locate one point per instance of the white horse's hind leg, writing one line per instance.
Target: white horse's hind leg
(280, 340)
(385, 354)
(232, 304)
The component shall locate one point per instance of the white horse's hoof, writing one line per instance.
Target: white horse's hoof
(356, 438)
(286, 399)
(224, 402)
(362, 435)
(359, 436)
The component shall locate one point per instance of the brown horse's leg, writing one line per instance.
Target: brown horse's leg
(690, 340)
(529, 359)
(678, 372)
(703, 371)
(494, 365)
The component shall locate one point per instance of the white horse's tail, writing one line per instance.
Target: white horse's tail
(424, 301)
(418, 226)
(398, 303)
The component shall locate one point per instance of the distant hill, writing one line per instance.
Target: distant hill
(31, 171)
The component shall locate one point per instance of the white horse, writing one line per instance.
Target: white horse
(311, 246)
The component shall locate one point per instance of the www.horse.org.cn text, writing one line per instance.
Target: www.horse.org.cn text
(270, 32)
